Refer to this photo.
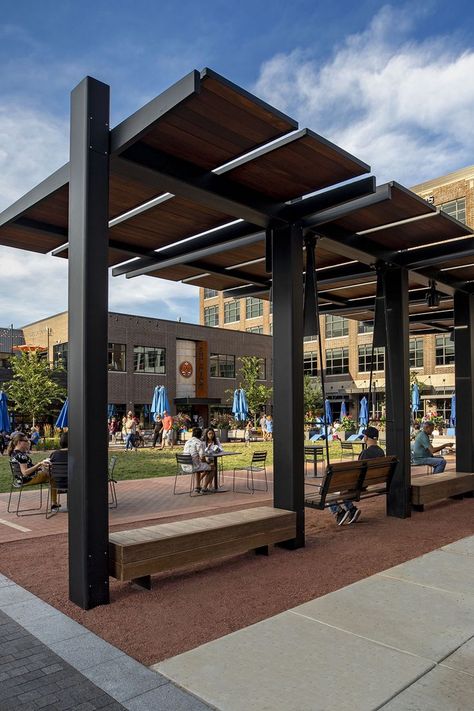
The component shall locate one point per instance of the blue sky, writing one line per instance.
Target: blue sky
(391, 83)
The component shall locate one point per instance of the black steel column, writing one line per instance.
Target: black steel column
(464, 374)
(288, 441)
(397, 388)
(87, 352)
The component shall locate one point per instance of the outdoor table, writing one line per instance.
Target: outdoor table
(316, 449)
(215, 455)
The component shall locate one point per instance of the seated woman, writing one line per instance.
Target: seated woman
(212, 446)
(195, 447)
(30, 473)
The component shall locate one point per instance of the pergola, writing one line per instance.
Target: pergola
(208, 185)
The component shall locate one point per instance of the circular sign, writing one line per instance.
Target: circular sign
(186, 369)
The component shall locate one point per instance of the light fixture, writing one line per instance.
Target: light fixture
(432, 296)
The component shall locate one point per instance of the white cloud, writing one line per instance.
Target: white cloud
(404, 107)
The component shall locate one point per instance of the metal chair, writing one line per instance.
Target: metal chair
(347, 447)
(313, 455)
(113, 501)
(59, 479)
(259, 459)
(16, 477)
(187, 461)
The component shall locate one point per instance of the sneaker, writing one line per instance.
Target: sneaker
(354, 515)
(17, 482)
(55, 507)
(197, 490)
(341, 516)
(205, 491)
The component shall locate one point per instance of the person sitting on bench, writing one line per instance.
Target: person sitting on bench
(423, 451)
(351, 513)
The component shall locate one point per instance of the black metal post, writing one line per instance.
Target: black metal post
(287, 285)
(87, 352)
(397, 373)
(464, 374)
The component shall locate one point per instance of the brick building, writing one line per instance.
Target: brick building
(9, 338)
(347, 343)
(196, 364)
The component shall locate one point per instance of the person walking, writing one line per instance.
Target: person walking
(167, 433)
(130, 431)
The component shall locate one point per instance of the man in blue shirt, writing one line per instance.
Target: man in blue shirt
(423, 451)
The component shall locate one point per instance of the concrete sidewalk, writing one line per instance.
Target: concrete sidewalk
(402, 639)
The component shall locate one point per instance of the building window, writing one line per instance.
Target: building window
(231, 311)
(365, 327)
(337, 361)
(365, 359)
(60, 355)
(455, 208)
(444, 350)
(310, 363)
(443, 408)
(222, 366)
(306, 339)
(117, 357)
(147, 359)
(336, 326)
(255, 329)
(261, 373)
(209, 293)
(270, 308)
(416, 353)
(253, 307)
(211, 315)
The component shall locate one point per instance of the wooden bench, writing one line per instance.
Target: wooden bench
(139, 553)
(353, 481)
(435, 487)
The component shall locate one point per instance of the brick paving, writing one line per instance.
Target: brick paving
(34, 677)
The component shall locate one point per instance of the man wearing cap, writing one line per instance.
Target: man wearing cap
(423, 452)
(351, 513)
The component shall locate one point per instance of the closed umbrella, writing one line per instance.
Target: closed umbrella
(236, 404)
(343, 410)
(160, 402)
(63, 416)
(111, 411)
(415, 398)
(327, 412)
(453, 410)
(363, 412)
(244, 408)
(4, 419)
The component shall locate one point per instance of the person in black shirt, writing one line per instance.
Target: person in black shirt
(30, 474)
(350, 514)
(59, 456)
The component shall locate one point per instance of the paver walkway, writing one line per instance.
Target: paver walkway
(399, 640)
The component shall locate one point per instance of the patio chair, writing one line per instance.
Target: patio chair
(184, 460)
(113, 501)
(257, 464)
(16, 477)
(58, 478)
(313, 455)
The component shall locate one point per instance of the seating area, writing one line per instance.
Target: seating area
(432, 488)
(137, 554)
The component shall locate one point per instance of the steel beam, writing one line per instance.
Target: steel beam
(50, 185)
(397, 388)
(88, 327)
(288, 476)
(234, 274)
(437, 254)
(241, 291)
(323, 217)
(328, 199)
(464, 378)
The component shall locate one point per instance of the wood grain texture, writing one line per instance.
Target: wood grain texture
(434, 487)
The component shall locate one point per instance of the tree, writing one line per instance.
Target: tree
(257, 394)
(33, 387)
(312, 394)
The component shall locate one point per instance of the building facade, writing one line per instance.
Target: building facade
(197, 365)
(347, 343)
(9, 338)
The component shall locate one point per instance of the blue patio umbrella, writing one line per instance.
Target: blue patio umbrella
(343, 412)
(363, 412)
(236, 404)
(240, 408)
(244, 408)
(453, 410)
(415, 398)
(160, 402)
(327, 412)
(4, 418)
(111, 411)
(63, 416)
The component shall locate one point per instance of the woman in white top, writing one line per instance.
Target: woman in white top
(195, 447)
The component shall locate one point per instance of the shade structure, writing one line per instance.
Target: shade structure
(327, 412)
(453, 411)
(364, 412)
(4, 418)
(343, 412)
(62, 420)
(160, 403)
(240, 408)
(111, 411)
(415, 398)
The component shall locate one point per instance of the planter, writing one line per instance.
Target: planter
(223, 435)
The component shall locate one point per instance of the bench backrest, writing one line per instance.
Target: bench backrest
(346, 477)
(379, 470)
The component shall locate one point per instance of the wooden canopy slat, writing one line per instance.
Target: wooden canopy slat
(438, 228)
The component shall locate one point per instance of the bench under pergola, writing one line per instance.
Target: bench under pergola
(209, 185)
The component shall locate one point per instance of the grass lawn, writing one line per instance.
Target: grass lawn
(148, 462)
